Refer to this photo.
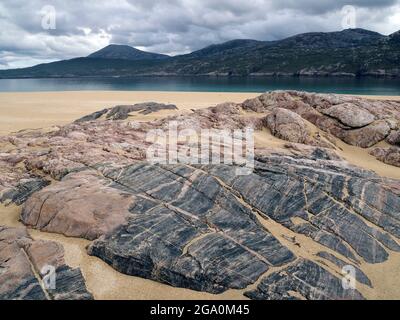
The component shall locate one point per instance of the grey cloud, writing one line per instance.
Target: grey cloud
(171, 27)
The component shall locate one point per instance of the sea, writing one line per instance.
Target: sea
(361, 86)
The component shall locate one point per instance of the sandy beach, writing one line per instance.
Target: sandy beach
(21, 111)
(34, 110)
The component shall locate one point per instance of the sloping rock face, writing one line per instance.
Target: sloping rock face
(198, 227)
(320, 194)
(22, 261)
(368, 136)
(289, 126)
(204, 227)
(359, 274)
(350, 115)
(77, 207)
(307, 279)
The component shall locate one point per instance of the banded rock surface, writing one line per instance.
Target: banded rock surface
(198, 227)
(123, 112)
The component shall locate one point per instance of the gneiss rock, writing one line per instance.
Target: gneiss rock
(356, 121)
(394, 138)
(367, 136)
(350, 115)
(319, 193)
(23, 190)
(359, 274)
(177, 223)
(182, 221)
(122, 112)
(288, 125)
(81, 206)
(93, 116)
(302, 280)
(387, 155)
(169, 208)
(22, 261)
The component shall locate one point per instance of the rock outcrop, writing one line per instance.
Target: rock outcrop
(123, 112)
(177, 219)
(203, 226)
(289, 126)
(394, 138)
(387, 155)
(350, 115)
(300, 281)
(77, 207)
(356, 121)
(24, 266)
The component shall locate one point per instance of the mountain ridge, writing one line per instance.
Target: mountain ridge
(351, 52)
(125, 52)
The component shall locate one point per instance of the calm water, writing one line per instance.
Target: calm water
(208, 84)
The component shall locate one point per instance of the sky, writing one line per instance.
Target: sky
(37, 31)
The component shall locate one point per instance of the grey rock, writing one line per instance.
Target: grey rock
(201, 238)
(93, 116)
(359, 275)
(302, 280)
(320, 194)
(198, 226)
(122, 112)
(70, 285)
(24, 189)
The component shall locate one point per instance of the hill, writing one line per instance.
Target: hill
(352, 52)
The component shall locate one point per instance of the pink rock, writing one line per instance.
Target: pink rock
(77, 207)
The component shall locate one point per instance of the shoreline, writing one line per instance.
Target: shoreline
(48, 110)
(272, 74)
(40, 110)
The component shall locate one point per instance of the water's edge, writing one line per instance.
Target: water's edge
(362, 86)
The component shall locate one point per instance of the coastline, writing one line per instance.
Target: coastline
(41, 110)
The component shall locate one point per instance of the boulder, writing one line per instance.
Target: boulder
(394, 138)
(288, 126)
(387, 155)
(350, 115)
(367, 136)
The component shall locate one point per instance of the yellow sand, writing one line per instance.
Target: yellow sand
(44, 109)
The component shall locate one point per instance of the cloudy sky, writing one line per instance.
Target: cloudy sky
(31, 32)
